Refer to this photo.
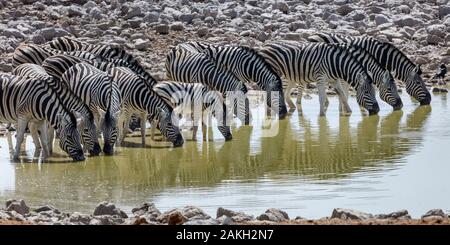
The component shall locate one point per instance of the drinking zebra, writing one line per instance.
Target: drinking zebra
(246, 64)
(322, 63)
(381, 77)
(188, 67)
(390, 58)
(27, 100)
(71, 101)
(139, 98)
(35, 54)
(100, 94)
(193, 98)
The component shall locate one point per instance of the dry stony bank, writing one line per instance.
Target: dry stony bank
(17, 212)
(148, 28)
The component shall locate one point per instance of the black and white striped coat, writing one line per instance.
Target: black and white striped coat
(35, 54)
(194, 99)
(189, 67)
(25, 100)
(101, 94)
(246, 64)
(381, 77)
(322, 63)
(71, 101)
(139, 98)
(390, 57)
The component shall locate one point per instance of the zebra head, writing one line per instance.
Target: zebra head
(109, 129)
(275, 88)
(89, 133)
(168, 129)
(69, 137)
(388, 91)
(365, 94)
(416, 87)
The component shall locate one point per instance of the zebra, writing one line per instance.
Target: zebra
(390, 58)
(70, 101)
(186, 96)
(246, 64)
(321, 63)
(110, 54)
(27, 99)
(29, 53)
(139, 98)
(188, 67)
(100, 93)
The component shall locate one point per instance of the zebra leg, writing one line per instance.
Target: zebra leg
(44, 139)
(35, 135)
(287, 96)
(344, 108)
(322, 96)
(21, 127)
(143, 116)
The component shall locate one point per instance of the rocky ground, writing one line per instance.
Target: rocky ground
(148, 28)
(17, 212)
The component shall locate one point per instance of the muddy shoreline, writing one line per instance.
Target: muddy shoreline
(17, 212)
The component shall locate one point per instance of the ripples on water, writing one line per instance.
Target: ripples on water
(377, 164)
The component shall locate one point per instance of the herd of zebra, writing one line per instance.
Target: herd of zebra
(82, 90)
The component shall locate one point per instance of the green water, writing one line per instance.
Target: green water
(397, 160)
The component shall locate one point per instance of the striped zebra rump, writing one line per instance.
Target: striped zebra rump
(71, 101)
(101, 94)
(139, 98)
(194, 99)
(390, 57)
(184, 66)
(27, 99)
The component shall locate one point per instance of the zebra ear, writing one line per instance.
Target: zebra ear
(161, 112)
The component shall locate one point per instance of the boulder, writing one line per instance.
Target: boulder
(11, 32)
(273, 214)
(141, 44)
(282, 6)
(176, 218)
(235, 216)
(435, 212)
(408, 20)
(162, 29)
(18, 206)
(401, 214)
(437, 30)
(344, 10)
(105, 208)
(381, 19)
(202, 31)
(342, 213)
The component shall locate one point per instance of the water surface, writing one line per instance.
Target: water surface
(396, 160)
